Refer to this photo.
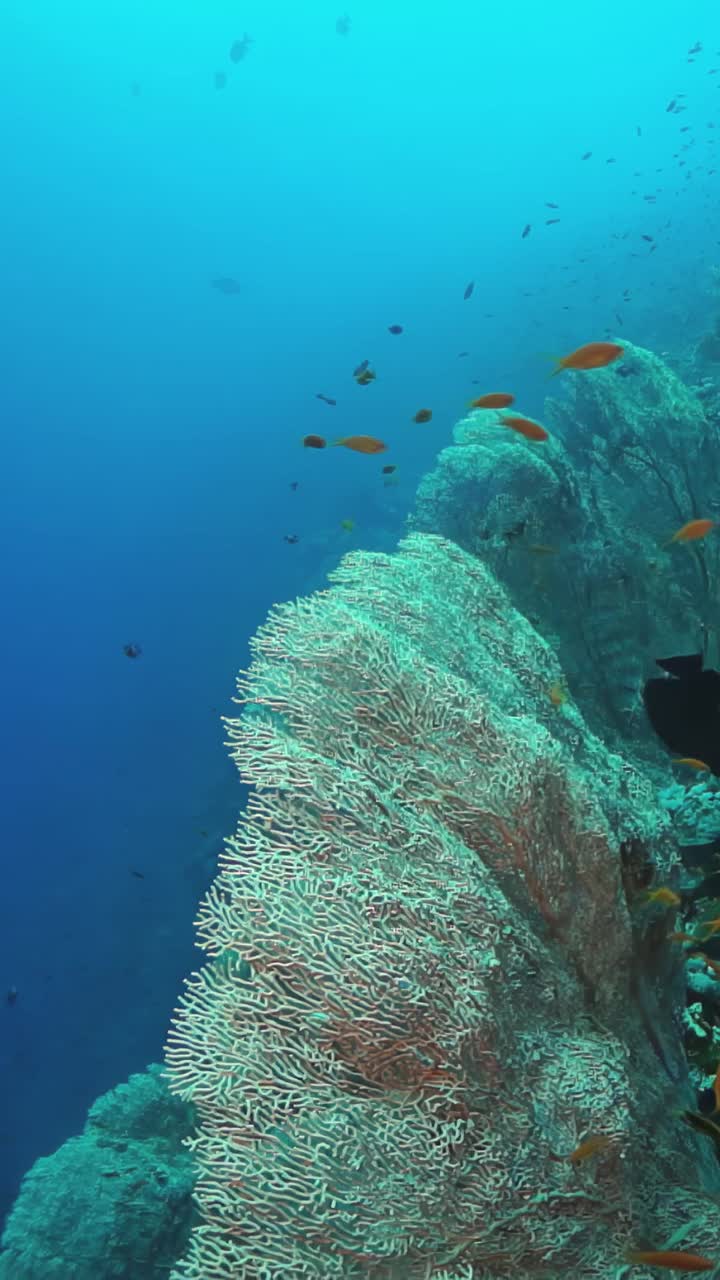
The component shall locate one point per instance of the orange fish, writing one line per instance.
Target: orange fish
(691, 531)
(712, 925)
(314, 442)
(365, 377)
(423, 415)
(711, 964)
(594, 355)
(692, 763)
(673, 1259)
(591, 1146)
(666, 897)
(494, 400)
(362, 444)
(679, 936)
(557, 694)
(525, 427)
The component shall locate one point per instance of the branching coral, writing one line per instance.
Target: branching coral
(414, 1000)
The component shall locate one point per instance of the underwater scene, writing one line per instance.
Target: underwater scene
(361, 648)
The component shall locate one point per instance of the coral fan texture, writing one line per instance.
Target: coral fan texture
(431, 973)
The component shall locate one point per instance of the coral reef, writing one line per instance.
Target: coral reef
(577, 528)
(114, 1203)
(432, 970)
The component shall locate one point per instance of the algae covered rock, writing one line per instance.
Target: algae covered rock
(113, 1203)
(432, 972)
(578, 528)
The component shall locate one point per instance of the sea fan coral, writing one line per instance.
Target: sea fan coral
(416, 998)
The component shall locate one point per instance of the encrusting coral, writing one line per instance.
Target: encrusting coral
(577, 528)
(431, 972)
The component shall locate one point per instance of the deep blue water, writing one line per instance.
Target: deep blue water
(151, 425)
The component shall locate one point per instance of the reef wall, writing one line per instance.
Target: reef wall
(433, 970)
(577, 528)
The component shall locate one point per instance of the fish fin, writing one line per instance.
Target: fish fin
(690, 664)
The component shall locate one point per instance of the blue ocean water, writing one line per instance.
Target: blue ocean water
(347, 180)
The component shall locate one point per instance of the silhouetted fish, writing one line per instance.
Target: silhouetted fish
(468, 290)
(684, 708)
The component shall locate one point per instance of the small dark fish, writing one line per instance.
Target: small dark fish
(648, 238)
(342, 26)
(612, 160)
(550, 221)
(327, 399)
(460, 354)
(226, 284)
(388, 470)
(515, 531)
(586, 156)
(526, 231)
(671, 104)
(239, 48)
(132, 650)
(395, 328)
(292, 538)
(619, 319)
(294, 484)
(361, 368)
(12, 995)
(220, 79)
(638, 130)
(422, 415)
(549, 205)
(684, 708)
(468, 290)
(137, 874)
(314, 442)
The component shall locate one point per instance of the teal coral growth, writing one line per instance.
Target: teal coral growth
(695, 812)
(577, 531)
(414, 1001)
(114, 1202)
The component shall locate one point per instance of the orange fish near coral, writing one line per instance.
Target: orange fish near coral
(493, 400)
(557, 694)
(362, 444)
(526, 427)
(593, 355)
(666, 897)
(423, 415)
(592, 1146)
(691, 531)
(692, 763)
(673, 1259)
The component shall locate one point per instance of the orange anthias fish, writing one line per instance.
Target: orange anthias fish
(673, 1259)
(691, 531)
(526, 427)
(423, 415)
(362, 444)
(666, 897)
(493, 400)
(592, 1146)
(716, 1088)
(692, 763)
(557, 694)
(593, 355)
